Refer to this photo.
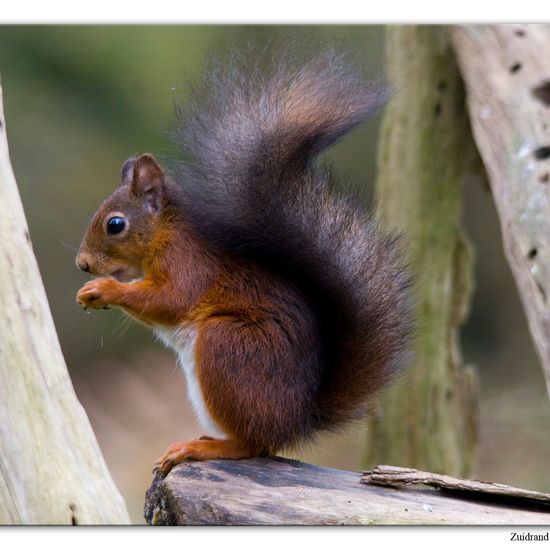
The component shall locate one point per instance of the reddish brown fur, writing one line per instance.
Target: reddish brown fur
(258, 359)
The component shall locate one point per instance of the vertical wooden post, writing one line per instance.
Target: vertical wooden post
(51, 468)
(428, 420)
(506, 69)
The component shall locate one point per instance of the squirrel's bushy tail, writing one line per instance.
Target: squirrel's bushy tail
(250, 135)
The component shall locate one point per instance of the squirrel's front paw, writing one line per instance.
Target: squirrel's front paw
(97, 294)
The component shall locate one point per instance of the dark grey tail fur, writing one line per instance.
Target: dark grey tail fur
(250, 136)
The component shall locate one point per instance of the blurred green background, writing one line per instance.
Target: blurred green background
(79, 100)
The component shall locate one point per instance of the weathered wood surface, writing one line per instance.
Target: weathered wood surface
(506, 69)
(51, 468)
(428, 420)
(277, 491)
(393, 476)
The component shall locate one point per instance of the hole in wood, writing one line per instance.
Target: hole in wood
(544, 178)
(542, 92)
(437, 110)
(519, 33)
(532, 253)
(542, 152)
(515, 67)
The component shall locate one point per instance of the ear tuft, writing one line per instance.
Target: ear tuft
(148, 181)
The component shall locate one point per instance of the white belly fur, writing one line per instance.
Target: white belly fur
(182, 341)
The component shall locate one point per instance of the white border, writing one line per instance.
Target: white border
(273, 11)
(266, 538)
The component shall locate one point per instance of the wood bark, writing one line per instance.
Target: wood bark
(428, 419)
(506, 69)
(277, 491)
(51, 468)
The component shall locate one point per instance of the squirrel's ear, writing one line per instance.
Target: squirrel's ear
(147, 180)
(127, 172)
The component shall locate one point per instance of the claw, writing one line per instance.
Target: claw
(157, 470)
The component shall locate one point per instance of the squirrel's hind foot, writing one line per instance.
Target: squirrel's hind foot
(204, 449)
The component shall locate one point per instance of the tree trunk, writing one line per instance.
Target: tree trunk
(51, 468)
(506, 69)
(428, 420)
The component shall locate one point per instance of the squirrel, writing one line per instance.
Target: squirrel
(287, 306)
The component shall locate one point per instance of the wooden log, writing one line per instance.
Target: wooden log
(507, 74)
(428, 419)
(51, 468)
(277, 491)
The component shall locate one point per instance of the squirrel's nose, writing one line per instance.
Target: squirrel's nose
(82, 263)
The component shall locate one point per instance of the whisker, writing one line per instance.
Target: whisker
(75, 248)
(122, 328)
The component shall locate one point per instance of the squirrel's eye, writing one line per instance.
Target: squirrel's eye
(115, 225)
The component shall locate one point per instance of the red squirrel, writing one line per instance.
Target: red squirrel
(287, 306)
